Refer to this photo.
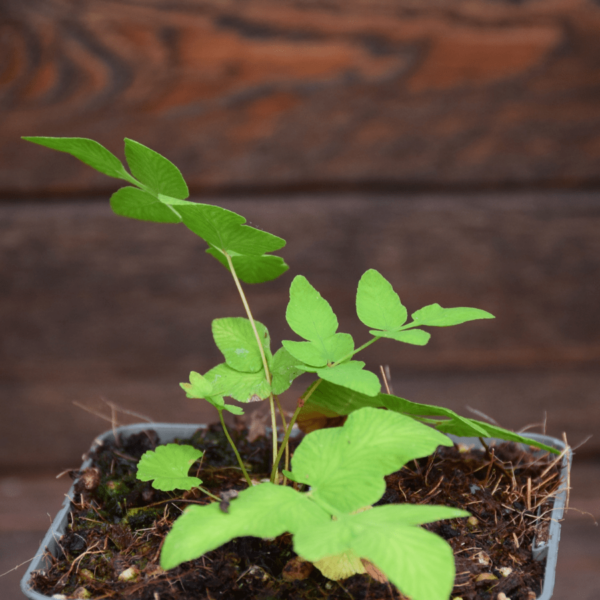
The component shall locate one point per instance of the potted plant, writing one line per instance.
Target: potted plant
(327, 502)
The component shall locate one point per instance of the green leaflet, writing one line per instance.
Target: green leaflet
(283, 371)
(137, 204)
(262, 511)
(87, 151)
(245, 387)
(377, 305)
(156, 173)
(419, 563)
(345, 466)
(350, 375)
(252, 268)
(235, 338)
(308, 313)
(225, 230)
(334, 400)
(200, 388)
(436, 316)
(340, 566)
(318, 354)
(168, 466)
(417, 337)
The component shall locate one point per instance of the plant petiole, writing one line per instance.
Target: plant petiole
(237, 454)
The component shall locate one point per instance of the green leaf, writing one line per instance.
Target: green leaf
(168, 466)
(264, 511)
(419, 563)
(136, 204)
(417, 337)
(283, 371)
(245, 387)
(87, 151)
(225, 230)
(436, 316)
(351, 376)
(345, 466)
(326, 351)
(252, 268)
(235, 338)
(234, 410)
(198, 387)
(308, 313)
(157, 173)
(377, 305)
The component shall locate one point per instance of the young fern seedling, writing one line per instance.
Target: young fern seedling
(334, 522)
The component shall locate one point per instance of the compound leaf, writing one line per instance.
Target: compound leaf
(436, 316)
(345, 466)
(235, 338)
(87, 151)
(156, 172)
(308, 313)
(417, 337)
(245, 387)
(283, 371)
(136, 204)
(264, 511)
(377, 305)
(168, 466)
(225, 230)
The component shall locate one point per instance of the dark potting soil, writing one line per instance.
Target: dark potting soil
(117, 526)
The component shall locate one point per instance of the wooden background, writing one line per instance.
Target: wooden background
(454, 145)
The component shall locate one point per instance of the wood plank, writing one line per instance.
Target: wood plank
(287, 95)
(96, 305)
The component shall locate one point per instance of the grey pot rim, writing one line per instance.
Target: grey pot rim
(169, 431)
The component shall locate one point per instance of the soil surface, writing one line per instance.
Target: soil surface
(117, 525)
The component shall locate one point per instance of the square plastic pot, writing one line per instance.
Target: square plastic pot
(167, 432)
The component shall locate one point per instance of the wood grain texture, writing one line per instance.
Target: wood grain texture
(285, 94)
(96, 305)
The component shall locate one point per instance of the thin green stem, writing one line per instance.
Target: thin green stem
(237, 454)
(287, 446)
(260, 349)
(209, 494)
(288, 431)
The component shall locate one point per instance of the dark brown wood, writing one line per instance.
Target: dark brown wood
(94, 305)
(274, 94)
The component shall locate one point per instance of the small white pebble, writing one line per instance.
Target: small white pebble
(130, 574)
(505, 571)
(502, 596)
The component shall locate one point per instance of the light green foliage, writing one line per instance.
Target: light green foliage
(137, 204)
(283, 370)
(416, 337)
(264, 511)
(350, 375)
(345, 466)
(87, 151)
(436, 316)
(311, 317)
(252, 268)
(199, 387)
(333, 400)
(379, 307)
(244, 387)
(418, 562)
(377, 304)
(332, 349)
(158, 174)
(168, 466)
(235, 338)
